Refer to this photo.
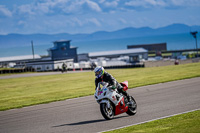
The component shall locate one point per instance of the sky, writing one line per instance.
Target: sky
(88, 16)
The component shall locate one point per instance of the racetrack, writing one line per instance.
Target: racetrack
(38, 74)
(82, 115)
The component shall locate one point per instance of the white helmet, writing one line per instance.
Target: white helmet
(99, 71)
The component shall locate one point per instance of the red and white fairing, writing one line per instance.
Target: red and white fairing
(125, 85)
(105, 95)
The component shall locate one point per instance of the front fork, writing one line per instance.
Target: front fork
(107, 103)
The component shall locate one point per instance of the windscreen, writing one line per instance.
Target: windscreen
(101, 85)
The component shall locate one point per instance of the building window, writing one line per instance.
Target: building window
(39, 68)
(63, 48)
(48, 67)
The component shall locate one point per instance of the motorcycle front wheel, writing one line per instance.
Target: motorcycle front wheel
(107, 113)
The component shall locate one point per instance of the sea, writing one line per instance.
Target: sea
(174, 42)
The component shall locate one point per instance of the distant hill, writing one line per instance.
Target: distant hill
(13, 40)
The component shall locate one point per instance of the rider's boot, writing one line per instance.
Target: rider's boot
(130, 103)
(121, 90)
(128, 97)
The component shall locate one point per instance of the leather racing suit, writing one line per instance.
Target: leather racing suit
(108, 78)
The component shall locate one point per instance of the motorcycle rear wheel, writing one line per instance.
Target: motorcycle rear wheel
(132, 109)
(107, 113)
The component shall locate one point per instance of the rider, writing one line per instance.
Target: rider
(102, 75)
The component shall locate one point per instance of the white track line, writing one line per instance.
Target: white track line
(150, 120)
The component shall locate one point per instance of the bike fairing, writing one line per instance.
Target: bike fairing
(116, 102)
(106, 77)
(112, 101)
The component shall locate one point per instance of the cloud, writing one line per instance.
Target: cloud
(5, 12)
(94, 6)
(94, 21)
(21, 22)
(123, 21)
(69, 7)
(54, 7)
(162, 3)
(184, 3)
(75, 21)
(26, 9)
(146, 3)
(75, 16)
(112, 4)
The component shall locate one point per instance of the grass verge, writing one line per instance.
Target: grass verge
(20, 92)
(184, 123)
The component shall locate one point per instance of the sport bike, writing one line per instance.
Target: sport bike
(112, 102)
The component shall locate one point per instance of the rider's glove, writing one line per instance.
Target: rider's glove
(112, 87)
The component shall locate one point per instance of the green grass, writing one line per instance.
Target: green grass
(10, 68)
(163, 54)
(151, 55)
(166, 54)
(184, 123)
(20, 92)
(7, 68)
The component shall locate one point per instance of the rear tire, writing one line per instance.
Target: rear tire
(132, 109)
(107, 113)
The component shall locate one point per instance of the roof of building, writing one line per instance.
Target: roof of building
(73, 47)
(150, 47)
(118, 52)
(149, 44)
(62, 41)
(19, 58)
(40, 62)
(55, 48)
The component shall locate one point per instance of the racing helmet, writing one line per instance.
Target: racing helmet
(99, 71)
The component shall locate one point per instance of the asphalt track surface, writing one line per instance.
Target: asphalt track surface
(38, 74)
(82, 115)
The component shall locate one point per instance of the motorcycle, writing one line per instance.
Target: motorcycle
(113, 103)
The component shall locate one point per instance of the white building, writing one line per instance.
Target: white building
(19, 58)
(49, 65)
(17, 61)
(135, 55)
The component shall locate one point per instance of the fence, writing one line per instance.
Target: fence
(110, 67)
(21, 70)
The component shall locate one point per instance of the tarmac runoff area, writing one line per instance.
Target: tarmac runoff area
(38, 74)
(82, 115)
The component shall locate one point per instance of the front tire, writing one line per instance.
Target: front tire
(132, 109)
(107, 113)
